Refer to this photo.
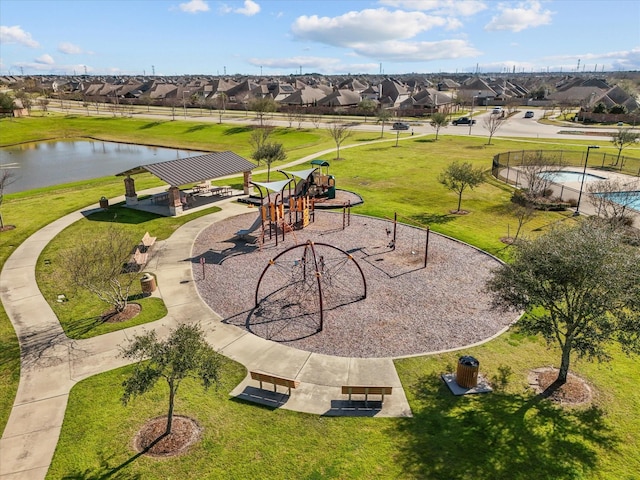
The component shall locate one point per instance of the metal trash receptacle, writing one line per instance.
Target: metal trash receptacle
(148, 283)
(104, 202)
(467, 372)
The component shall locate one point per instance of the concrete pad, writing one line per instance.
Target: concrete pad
(34, 416)
(325, 370)
(373, 371)
(245, 349)
(280, 361)
(87, 366)
(482, 386)
(221, 335)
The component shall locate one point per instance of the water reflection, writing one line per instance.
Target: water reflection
(42, 164)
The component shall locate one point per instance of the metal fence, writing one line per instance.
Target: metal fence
(505, 167)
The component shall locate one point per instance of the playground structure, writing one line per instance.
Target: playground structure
(297, 194)
(296, 288)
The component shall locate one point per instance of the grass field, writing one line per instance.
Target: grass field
(507, 434)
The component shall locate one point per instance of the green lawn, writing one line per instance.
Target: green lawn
(507, 434)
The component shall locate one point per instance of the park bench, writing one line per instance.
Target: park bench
(268, 378)
(137, 261)
(366, 391)
(147, 242)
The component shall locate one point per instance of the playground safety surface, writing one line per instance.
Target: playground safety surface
(408, 309)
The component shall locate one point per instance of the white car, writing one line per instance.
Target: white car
(496, 110)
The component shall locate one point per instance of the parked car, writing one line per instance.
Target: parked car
(528, 114)
(496, 110)
(464, 121)
(400, 126)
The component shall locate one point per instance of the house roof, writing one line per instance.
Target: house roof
(194, 169)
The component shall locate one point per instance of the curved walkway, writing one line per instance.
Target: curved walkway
(52, 363)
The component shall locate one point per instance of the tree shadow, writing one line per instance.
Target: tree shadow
(433, 218)
(237, 130)
(425, 140)
(105, 471)
(149, 125)
(122, 215)
(498, 435)
(197, 128)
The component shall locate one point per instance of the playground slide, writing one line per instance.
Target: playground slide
(254, 226)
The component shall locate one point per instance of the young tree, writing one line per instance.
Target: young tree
(580, 287)
(6, 178)
(221, 101)
(623, 138)
(492, 123)
(258, 138)
(439, 120)
(185, 354)
(262, 106)
(458, 176)
(97, 265)
(367, 106)
(383, 117)
(269, 152)
(339, 133)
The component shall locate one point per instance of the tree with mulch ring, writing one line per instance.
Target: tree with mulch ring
(575, 391)
(184, 354)
(580, 288)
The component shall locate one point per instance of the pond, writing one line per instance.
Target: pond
(42, 164)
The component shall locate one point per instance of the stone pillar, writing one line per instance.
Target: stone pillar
(248, 188)
(175, 203)
(130, 195)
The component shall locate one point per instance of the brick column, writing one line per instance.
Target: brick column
(248, 188)
(175, 204)
(130, 195)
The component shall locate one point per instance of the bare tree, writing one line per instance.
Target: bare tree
(316, 120)
(97, 264)
(623, 138)
(539, 173)
(523, 213)
(492, 123)
(221, 101)
(612, 199)
(7, 177)
(339, 133)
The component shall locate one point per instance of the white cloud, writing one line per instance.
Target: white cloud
(464, 8)
(364, 26)
(525, 15)
(395, 51)
(15, 34)
(620, 60)
(313, 64)
(195, 6)
(249, 8)
(45, 59)
(69, 48)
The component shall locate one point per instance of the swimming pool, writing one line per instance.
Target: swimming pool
(562, 176)
(628, 199)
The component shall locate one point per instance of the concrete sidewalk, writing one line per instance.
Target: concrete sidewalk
(51, 363)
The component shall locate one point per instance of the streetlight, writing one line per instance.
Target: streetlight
(184, 104)
(584, 174)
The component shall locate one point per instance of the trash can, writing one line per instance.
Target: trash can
(104, 202)
(148, 283)
(467, 372)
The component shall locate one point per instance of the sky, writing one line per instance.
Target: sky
(284, 37)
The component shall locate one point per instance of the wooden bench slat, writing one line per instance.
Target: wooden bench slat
(274, 380)
(366, 390)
